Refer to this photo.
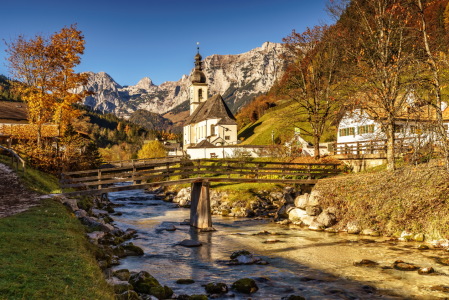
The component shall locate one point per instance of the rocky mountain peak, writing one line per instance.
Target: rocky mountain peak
(238, 78)
(144, 83)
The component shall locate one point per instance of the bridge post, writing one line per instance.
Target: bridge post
(200, 214)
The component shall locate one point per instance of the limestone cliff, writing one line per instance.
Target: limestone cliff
(238, 78)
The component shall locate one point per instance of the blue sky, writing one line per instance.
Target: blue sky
(133, 39)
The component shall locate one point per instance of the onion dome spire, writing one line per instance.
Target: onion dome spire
(198, 75)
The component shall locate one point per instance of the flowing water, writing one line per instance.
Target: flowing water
(315, 265)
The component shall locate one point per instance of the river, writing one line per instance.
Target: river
(315, 265)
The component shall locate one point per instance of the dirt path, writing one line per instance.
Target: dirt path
(14, 197)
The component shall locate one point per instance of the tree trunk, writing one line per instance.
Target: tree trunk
(316, 146)
(390, 146)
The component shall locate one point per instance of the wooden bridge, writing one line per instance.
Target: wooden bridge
(198, 173)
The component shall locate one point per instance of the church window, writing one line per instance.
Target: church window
(212, 129)
(200, 94)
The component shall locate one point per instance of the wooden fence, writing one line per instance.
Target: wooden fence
(403, 145)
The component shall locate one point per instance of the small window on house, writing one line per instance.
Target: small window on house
(227, 137)
(365, 129)
(446, 127)
(347, 131)
(212, 129)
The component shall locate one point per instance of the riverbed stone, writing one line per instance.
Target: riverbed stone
(95, 236)
(404, 266)
(71, 204)
(128, 295)
(406, 236)
(119, 286)
(366, 263)
(327, 219)
(302, 201)
(426, 271)
(369, 232)
(440, 288)
(132, 250)
(313, 210)
(296, 214)
(143, 282)
(316, 226)
(288, 198)
(308, 220)
(353, 227)
(419, 237)
(185, 281)
(245, 285)
(122, 274)
(293, 297)
(314, 198)
(190, 243)
(216, 288)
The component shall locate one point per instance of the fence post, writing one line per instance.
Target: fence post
(99, 179)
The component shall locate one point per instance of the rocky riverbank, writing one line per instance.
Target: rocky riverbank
(110, 244)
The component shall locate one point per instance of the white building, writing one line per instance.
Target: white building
(416, 124)
(210, 122)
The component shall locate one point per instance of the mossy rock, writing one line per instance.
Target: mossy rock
(245, 285)
(161, 292)
(128, 295)
(122, 287)
(132, 250)
(185, 281)
(293, 297)
(122, 274)
(238, 253)
(108, 219)
(216, 288)
(198, 297)
(143, 282)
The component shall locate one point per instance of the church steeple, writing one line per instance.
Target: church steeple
(198, 88)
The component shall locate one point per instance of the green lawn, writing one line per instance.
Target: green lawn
(280, 121)
(44, 253)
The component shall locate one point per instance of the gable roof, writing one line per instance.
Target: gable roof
(14, 111)
(213, 108)
(203, 144)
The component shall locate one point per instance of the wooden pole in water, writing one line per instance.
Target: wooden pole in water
(200, 214)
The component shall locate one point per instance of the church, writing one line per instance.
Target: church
(210, 123)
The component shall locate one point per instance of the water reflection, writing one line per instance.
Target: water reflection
(312, 264)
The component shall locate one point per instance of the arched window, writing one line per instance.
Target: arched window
(200, 94)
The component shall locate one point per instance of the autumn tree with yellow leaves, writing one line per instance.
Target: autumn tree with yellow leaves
(44, 69)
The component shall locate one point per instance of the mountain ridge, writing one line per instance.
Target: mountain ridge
(238, 78)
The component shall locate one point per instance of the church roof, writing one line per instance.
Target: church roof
(213, 108)
(203, 144)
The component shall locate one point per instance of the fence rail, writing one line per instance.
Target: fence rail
(15, 159)
(403, 145)
(184, 171)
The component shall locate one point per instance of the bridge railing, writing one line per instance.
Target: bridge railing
(184, 171)
(15, 158)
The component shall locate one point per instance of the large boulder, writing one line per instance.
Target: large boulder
(245, 285)
(296, 214)
(216, 288)
(144, 283)
(71, 204)
(327, 219)
(313, 210)
(314, 198)
(302, 201)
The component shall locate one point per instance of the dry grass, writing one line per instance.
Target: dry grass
(414, 198)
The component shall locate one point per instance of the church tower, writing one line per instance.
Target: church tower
(198, 88)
